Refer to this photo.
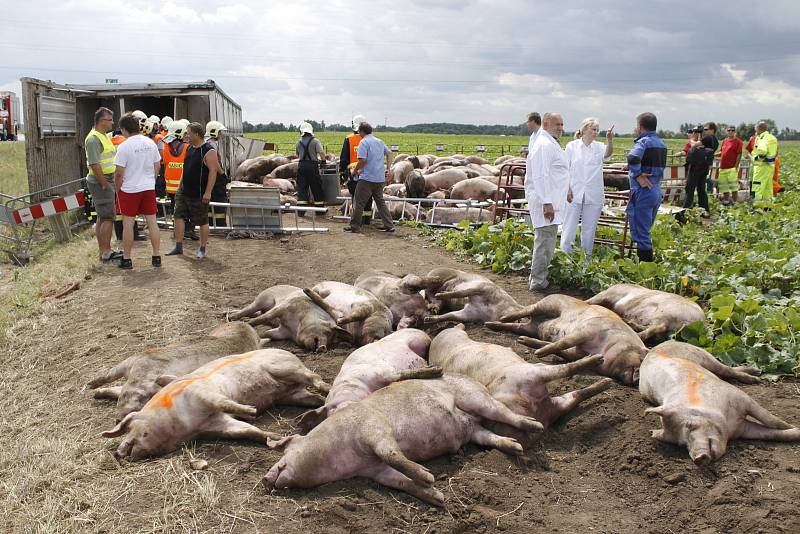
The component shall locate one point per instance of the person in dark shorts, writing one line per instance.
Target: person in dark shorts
(100, 152)
(200, 170)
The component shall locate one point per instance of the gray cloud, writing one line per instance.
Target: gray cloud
(455, 61)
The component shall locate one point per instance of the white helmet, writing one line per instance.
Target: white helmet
(147, 127)
(155, 119)
(141, 116)
(306, 128)
(213, 129)
(166, 121)
(175, 130)
(184, 122)
(357, 120)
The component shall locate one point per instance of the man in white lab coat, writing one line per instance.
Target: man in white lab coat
(546, 187)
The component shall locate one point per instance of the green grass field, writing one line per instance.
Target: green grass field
(13, 174)
(496, 145)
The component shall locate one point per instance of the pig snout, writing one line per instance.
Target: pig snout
(704, 450)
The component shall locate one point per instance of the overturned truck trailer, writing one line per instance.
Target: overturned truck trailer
(58, 117)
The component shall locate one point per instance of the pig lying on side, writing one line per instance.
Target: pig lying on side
(454, 215)
(654, 314)
(699, 410)
(142, 371)
(466, 296)
(265, 301)
(401, 295)
(573, 329)
(383, 436)
(399, 356)
(204, 403)
(297, 317)
(519, 385)
(358, 311)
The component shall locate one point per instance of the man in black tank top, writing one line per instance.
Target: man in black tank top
(310, 154)
(200, 170)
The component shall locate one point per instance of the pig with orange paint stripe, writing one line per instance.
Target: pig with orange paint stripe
(572, 329)
(207, 402)
(699, 410)
(142, 371)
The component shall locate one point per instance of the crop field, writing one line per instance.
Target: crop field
(13, 177)
(496, 145)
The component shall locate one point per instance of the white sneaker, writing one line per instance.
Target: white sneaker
(201, 254)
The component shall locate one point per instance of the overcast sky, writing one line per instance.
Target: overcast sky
(466, 61)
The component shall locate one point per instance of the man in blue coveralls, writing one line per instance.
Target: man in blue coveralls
(646, 162)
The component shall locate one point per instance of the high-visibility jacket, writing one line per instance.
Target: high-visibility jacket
(173, 167)
(353, 140)
(117, 140)
(158, 137)
(106, 156)
(764, 153)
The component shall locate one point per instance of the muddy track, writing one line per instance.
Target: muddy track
(597, 469)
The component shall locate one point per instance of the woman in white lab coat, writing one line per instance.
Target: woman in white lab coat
(585, 195)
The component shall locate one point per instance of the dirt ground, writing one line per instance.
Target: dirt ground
(596, 471)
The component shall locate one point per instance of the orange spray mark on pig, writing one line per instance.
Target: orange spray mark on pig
(166, 397)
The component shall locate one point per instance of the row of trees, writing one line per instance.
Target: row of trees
(743, 130)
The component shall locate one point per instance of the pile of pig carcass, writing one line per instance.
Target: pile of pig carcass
(468, 178)
(402, 398)
(458, 177)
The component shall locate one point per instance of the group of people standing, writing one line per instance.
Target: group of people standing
(565, 187)
(127, 168)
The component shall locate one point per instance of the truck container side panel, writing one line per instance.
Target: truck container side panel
(51, 160)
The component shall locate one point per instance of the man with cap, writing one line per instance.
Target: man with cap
(310, 154)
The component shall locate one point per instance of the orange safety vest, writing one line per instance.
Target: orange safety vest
(158, 137)
(776, 185)
(117, 140)
(173, 167)
(353, 140)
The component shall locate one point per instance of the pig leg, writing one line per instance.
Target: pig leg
(765, 417)
(654, 330)
(272, 315)
(359, 312)
(464, 315)
(564, 404)
(112, 393)
(278, 333)
(521, 329)
(485, 438)
(566, 342)
(227, 427)
(460, 293)
(538, 343)
(566, 370)
(260, 304)
(393, 478)
(223, 404)
(756, 431)
(298, 374)
(303, 397)
(541, 309)
(120, 370)
(385, 447)
(480, 403)
(743, 374)
(433, 371)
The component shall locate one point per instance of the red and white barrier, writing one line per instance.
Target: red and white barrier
(49, 208)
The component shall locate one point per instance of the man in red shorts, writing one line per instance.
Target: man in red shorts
(138, 163)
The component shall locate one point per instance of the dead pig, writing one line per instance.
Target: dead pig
(467, 297)
(358, 311)
(699, 410)
(572, 329)
(401, 295)
(654, 314)
(399, 356)
(383, 436)
(204, 403)
(265, 301)
(519, 385)
(142, 371)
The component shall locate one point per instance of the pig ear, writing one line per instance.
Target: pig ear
(279, 445)
(163, 380)
(121, 428)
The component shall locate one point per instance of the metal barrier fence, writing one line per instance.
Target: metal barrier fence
(17, 223)
(442, 149)
(278, 218)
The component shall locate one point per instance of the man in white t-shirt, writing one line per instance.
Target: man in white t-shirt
(138, 162)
